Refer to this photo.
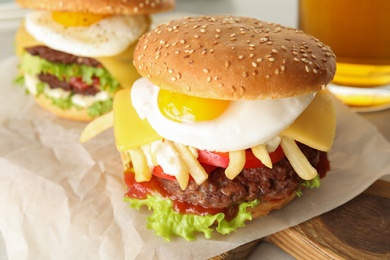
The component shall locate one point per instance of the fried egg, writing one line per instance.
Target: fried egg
(105, 37)
(241, 124)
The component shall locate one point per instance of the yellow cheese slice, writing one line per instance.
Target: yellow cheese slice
(130, 130)
(120, 66)
(316, 126)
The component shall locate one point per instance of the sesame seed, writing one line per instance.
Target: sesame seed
(209, 79)
(254, 64)
(240, 57)
(227, 63)
(315, 71)
(296, 59)
(271, 59)
(206, 70)
(245, 74)
(307, 69)
(277, 71)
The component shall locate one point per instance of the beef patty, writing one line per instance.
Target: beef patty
(61, 57)
(263, 183)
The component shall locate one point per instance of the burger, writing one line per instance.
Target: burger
(75, 55)
(230, 121)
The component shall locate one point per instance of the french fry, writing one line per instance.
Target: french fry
(181, 170)
(140, 165)
(97, 126)
(183, 177)
(125, 158)
(261, 153)
(297, 159)
(236, 164)
(196, 170)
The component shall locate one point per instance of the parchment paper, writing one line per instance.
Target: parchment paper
(60, 199)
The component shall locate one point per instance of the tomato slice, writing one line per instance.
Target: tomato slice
(159, 172)
(77, 83)
(222, 159)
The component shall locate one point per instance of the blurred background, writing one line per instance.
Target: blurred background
(279, 11)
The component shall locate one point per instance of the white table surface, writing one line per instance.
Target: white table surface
(278, 11)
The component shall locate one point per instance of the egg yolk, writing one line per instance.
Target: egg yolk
(77, 18)
(184, 108)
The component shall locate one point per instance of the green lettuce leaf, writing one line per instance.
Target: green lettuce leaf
(311, 184)
(167, 222)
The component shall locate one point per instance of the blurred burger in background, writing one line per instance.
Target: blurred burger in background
(75, 55)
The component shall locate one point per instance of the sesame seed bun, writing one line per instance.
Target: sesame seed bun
(71, 114)
(101, 6)
(228, 57)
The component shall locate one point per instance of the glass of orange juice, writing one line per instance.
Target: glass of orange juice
(359, 34)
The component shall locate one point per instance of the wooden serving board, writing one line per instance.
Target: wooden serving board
(359, 229)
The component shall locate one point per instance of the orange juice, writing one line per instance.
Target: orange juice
(358, 31)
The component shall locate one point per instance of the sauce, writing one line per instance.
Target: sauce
(323, 165)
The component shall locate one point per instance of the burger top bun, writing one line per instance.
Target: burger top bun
(228, 57)
(101, 6)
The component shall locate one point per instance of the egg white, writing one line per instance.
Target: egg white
(107, 37)
(242, 125)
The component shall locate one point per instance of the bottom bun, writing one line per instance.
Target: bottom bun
(72, 113)
(265, 207)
